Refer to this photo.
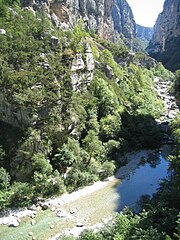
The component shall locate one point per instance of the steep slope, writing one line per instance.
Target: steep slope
(144, 32)
(164, 45)
(108, 18)
(69, 104)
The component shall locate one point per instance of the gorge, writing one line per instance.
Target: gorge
(77, 94)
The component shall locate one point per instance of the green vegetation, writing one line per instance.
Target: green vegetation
(160, 216)
(56, 139)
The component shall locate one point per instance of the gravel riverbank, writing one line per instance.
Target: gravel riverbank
(133, 161)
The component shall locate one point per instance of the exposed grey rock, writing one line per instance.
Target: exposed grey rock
(13, 11)
(108, 71)
(45, 206)
(144, 32)
(171, 108)
(106, 17)
(33, 222)
(166, 38)
(54, 42)
(73, 211)
(167, 24)
(78, 63)
(32, 208)
(55, 20)
(13, 114)
(30, 9)
(14, 223)
(89, 58)
(30, 233)
(82, 70)
(79, 224)
(2, 31)
(61, 214)
(53, 209)
(123, 19)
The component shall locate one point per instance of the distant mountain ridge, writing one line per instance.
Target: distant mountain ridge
(144, 32)
(164, 45)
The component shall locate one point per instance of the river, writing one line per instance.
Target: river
(90, 208)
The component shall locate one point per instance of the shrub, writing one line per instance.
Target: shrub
(21, 194)
(108, 169)
(76, 178)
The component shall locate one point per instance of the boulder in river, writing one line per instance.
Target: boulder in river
(30, 233)
(33, 222)
(61, 214)
(79, 224)
(45, 206)
(73, 211)
(14, 223)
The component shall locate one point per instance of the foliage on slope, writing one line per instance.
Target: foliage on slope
(160, 217)
(77, 136)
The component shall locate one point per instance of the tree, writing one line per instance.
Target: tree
(4, 179)
(90, 235)
(21, 194)
(110, 127)
(4, 188)
(93, 145)
(41, 164)
(3, 9)
(108, 169)
(107, 99)
(63, 158)
(2, 154)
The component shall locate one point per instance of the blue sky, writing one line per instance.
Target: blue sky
(146, 11)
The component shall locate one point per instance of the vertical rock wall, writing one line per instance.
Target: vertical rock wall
(166, 38)
(106, 17)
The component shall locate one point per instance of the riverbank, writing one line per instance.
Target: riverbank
(133, 158)
(89, 207)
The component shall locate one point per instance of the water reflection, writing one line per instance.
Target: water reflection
(144, 180)
(153, 159)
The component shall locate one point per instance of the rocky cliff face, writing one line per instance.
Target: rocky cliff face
(144, 33)
(166, 37)
(106, 17)
(82, 70)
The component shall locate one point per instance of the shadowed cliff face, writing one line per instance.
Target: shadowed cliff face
(108, 18)
(166, 38)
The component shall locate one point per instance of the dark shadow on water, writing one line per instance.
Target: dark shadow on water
(153, 159)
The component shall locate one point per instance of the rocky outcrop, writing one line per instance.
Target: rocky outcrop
(171, 108)
(14, 115)
(2, 31)
(21, 116)
(164, 45)
(82, 69)
(144, 33)
(106, 17)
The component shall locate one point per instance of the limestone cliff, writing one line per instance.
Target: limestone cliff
(106, 17)
(164, 45)
(82, 72)
(144, 33)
